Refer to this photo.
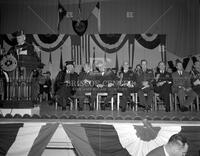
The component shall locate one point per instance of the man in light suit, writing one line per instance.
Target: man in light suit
(176, 146)
(182, 86)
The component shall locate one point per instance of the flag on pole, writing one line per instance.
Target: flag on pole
(97, 13)
(50, 64)
(61, 59)
(93, 63)
(61, 14)
(116, 63)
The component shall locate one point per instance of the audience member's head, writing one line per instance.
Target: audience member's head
(126, 66)
(161, 65)
(20, 36)
(179, 65)
(87, 68)
(177, 145)
(144, 64)
(197, 65)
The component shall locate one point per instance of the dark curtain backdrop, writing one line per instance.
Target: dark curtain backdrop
(179, 19)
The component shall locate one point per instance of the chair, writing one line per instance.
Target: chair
(76, 100)
(99, 101)
(175, 102)
(134, 98)
(157, 102)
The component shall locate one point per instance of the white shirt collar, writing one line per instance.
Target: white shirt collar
(166, 154)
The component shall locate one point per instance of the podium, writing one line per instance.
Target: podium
(19, 85)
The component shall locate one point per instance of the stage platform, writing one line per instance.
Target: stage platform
(144, 124)
(20, 111)
(46, 111)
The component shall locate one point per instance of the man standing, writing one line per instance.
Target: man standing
(176, 146)
(144, 81)
(182, 86)
(163, 83)
(23, 49)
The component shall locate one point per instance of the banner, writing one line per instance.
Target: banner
(25, 139)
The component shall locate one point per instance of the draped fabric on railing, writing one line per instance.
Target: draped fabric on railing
(117, 139)
(25, 139)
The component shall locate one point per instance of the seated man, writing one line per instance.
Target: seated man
(163, 83)
(182, 86)
(47, 85)
(144, 82)
(84, 85)
(127, 85)
(105, 81)
(65, 84)
(196, 78)
(177, 146)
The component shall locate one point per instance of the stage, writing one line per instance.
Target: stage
(64, 130)
(45, 111)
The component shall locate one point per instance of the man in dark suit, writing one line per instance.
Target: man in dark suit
(196, 77)
(144, 82)
(105, 81)
(162, 85)
(84, 85)
(127, 86)
(23, 49)
(176, 146)
(65, 85)
(182, 86)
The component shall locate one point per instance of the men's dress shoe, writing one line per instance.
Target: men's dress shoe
(80, 109)
(63, 108)
(103, 107)
(132, 104)
(123, 109)
(167, 110)
(184, 109)
(148, 108)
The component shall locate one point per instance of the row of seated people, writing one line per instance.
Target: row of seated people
(143, 81)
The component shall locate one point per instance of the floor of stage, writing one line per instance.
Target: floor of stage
(49, 111)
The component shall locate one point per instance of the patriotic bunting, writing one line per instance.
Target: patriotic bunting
(117, 139)
(25, 139)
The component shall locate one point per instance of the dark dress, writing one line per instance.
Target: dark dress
(65, 87)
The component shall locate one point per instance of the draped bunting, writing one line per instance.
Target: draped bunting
(115, 139)
(46, 42)
(110, 42)
(149, 41)
(49, 42)
(107, 42)
(25, 138)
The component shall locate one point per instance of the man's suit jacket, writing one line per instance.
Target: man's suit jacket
(159, 151)
(179, 81)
